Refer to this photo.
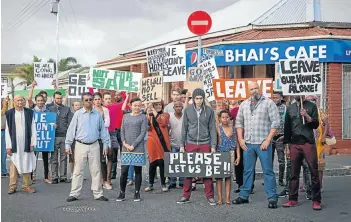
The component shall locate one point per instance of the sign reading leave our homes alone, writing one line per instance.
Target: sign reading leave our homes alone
(301, 77)
(238, 89)
(151, 89)
(44, 74)
(114, 80)
(205, 165)
(210, 73)
(44, 124)
(77, 85)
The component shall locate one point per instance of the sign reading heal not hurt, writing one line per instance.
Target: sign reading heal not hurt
(77, 85)
(114, 80)
(44, 74)
(151, 89)
(205, 165)
(44, 124)
(301, 76)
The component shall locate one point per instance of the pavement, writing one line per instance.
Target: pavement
(49, 204)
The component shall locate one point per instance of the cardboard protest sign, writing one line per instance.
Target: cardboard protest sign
(205, 165)
(114, 80)
(238, 89)
(4, 90)
(44, 74)
(196, 74)
(301, 77)
(277, 84)
(44, 124)
(151, 89)
(77, 85)
(156, 60)
(210, 72)
(176, 64)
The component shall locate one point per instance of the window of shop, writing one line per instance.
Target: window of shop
(247, 71)
(270, 71)
(346, 101)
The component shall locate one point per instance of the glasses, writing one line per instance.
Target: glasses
(88, 100)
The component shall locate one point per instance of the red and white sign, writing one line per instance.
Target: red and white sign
(199, 22)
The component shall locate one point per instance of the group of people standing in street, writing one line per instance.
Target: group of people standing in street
(95, 132)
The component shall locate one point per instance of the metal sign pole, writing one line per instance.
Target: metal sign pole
(199, 46)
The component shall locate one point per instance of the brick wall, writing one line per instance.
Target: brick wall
(334, 95)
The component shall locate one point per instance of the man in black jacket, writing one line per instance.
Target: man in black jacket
(63, 119)
(299, 137)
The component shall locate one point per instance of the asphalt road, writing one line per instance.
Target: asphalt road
(49, 204)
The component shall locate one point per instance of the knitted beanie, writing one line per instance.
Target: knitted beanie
(199, 92)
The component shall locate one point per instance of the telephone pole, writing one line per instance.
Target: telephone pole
(56, 10)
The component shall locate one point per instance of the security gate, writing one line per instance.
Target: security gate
(346, 101)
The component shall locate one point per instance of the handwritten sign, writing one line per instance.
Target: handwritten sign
(196, 74)
(301, 77)
(4, 90)
(114, 80)
(156, 60)
(44, 123)
(238, 89)
(176, 64)
(210, 73)
(205, 165)
(151, 89)
(77, 85)
(44, 74)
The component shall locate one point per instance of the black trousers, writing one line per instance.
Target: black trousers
(152, 171)
(124, 177)
(103, 161)
(45, 156)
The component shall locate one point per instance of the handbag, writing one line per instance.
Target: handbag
(330, 141)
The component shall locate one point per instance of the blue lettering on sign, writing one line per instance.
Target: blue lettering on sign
(327, 50)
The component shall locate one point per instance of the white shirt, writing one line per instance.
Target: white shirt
(175, 129)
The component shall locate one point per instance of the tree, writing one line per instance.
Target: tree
(66, 64)
(25, 72)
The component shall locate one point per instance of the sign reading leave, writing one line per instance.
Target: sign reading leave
(44, 74)
(210, 73)
(151, 89)
(77, 85)
(301, 77)
(3, 90)
(114, 80)
(205, 165)
(238, 89)
(44, 124)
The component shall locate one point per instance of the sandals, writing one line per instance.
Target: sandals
(47, 181)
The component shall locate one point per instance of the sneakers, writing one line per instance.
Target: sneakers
(121, 197)
(316, 205)
(284, 193)
(149, 188)
(290, 203)
(240, 200)
(107, 186)
(183, 200)
(137, 197)
(308, 196)
(164, 189)
(212, 202)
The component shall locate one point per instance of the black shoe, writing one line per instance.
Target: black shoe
(71, 198)
(240, 200)
(237, 191)
(55, 181)
(102, 198)
(65, 180)
(308, 195)
(272, 204)
(137, 197)
(172, 186)
(121, 197)
(252, 191)
(183, 200)
(283, 194)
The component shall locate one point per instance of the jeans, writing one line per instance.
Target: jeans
(131, 173)
(250, 158)
(173, 180)
(3, 153)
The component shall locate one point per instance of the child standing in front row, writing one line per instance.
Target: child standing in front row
(226, 143)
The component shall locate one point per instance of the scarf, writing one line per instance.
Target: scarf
(158, 131)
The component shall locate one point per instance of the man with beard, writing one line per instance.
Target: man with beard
(258, 117)
(299, 138)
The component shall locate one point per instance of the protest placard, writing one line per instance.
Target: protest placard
(277, 84)
(44, 124)
(301, 77)
(176, 64)
(210, 72)
(238, 89)
(4, 90)
(196, 74)
(77, 85)
(44, 74)
(204, 165)
(156, 60)
(114, 80)
(151, 89)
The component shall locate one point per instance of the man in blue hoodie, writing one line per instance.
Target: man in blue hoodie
(198, 135)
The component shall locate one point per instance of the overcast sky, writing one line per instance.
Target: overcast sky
(97, 30)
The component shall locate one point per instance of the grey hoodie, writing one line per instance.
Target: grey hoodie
(202, 129)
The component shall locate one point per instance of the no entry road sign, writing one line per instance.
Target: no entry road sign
(199, 22)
